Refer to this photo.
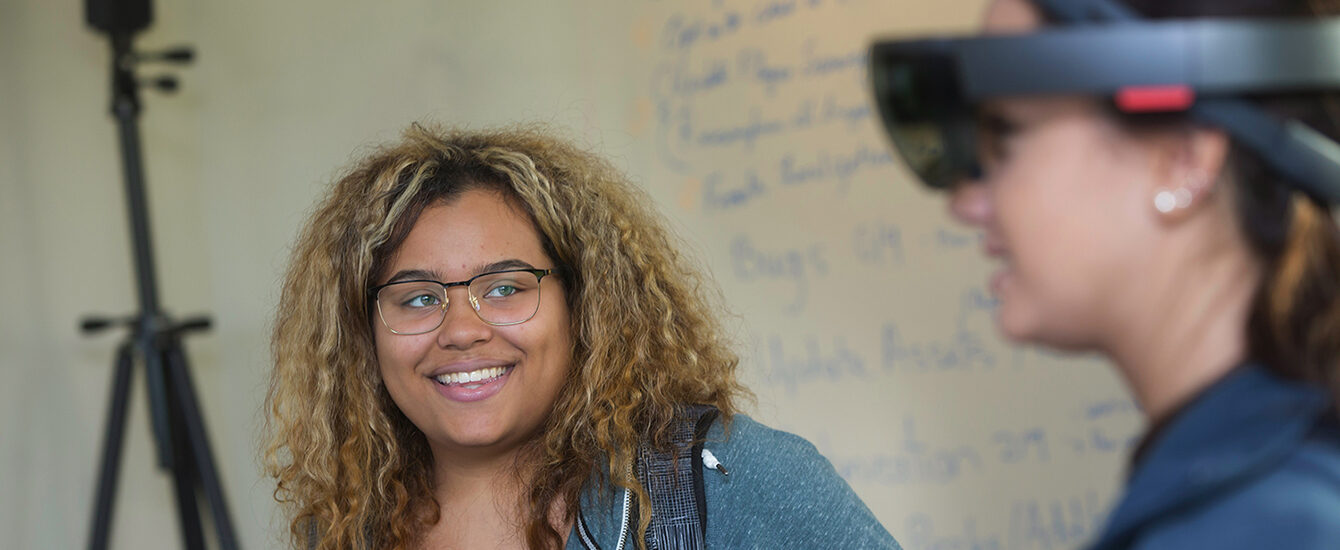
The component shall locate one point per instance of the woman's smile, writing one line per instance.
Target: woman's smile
(472, 380)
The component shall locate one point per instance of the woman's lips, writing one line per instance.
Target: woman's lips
(993, 248)
(474, 385)
(999, 280)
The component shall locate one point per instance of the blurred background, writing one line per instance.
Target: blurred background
(862, 316)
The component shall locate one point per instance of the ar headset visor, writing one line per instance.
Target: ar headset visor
(927, 91)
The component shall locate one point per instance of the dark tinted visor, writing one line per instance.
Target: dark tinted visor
(919, 98)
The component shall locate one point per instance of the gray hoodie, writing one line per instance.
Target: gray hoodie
(780, 493)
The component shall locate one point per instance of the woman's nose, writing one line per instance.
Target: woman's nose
(461, 326)
(970, 203)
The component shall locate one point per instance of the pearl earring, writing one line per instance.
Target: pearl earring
(1167, 200)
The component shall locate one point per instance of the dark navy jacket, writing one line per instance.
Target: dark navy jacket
(1253, 462)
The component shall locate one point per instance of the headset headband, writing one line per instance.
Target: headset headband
(926, 90)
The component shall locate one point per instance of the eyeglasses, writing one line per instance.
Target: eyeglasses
(499, 298)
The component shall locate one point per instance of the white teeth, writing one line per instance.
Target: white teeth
(472, 376)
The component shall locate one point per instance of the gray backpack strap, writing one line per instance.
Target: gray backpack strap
(674, 481)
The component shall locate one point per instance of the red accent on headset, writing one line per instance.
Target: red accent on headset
(1155, 99)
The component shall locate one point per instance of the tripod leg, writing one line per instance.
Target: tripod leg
(155, 369)
(111, 448)
(185, 478)
(203, 463)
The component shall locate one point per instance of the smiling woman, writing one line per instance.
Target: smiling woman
(488, 340)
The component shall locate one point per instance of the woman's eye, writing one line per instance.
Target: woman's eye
(996, 136)
(997, 125)
(501, 291)
(423, 300)
(994, 150)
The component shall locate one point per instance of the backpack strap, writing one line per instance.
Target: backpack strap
(674, 481)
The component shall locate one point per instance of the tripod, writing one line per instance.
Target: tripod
(154, 338)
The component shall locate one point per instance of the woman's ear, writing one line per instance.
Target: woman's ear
(1188, 164)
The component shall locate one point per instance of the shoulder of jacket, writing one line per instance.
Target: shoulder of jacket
(745, 432)
(1294, 505)
(749, 440)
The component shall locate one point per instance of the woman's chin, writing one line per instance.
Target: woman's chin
(1020, 326)
(1013, 331)
(1026, 328)
(473, 439)
(1012, 323)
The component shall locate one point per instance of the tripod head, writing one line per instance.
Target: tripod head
(120, 20)
(119, 16)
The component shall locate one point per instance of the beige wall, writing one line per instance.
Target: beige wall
(284, 93)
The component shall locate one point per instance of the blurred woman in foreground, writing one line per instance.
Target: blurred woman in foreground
(1130, 221)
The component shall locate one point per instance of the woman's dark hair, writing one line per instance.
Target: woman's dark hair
(1294, 326)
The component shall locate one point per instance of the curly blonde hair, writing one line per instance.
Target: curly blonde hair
(352, 471)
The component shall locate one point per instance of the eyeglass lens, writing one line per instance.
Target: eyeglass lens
(503, 298)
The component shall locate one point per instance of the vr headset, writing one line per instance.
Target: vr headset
(927, 91)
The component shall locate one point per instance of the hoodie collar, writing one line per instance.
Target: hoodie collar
(1237, 428)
